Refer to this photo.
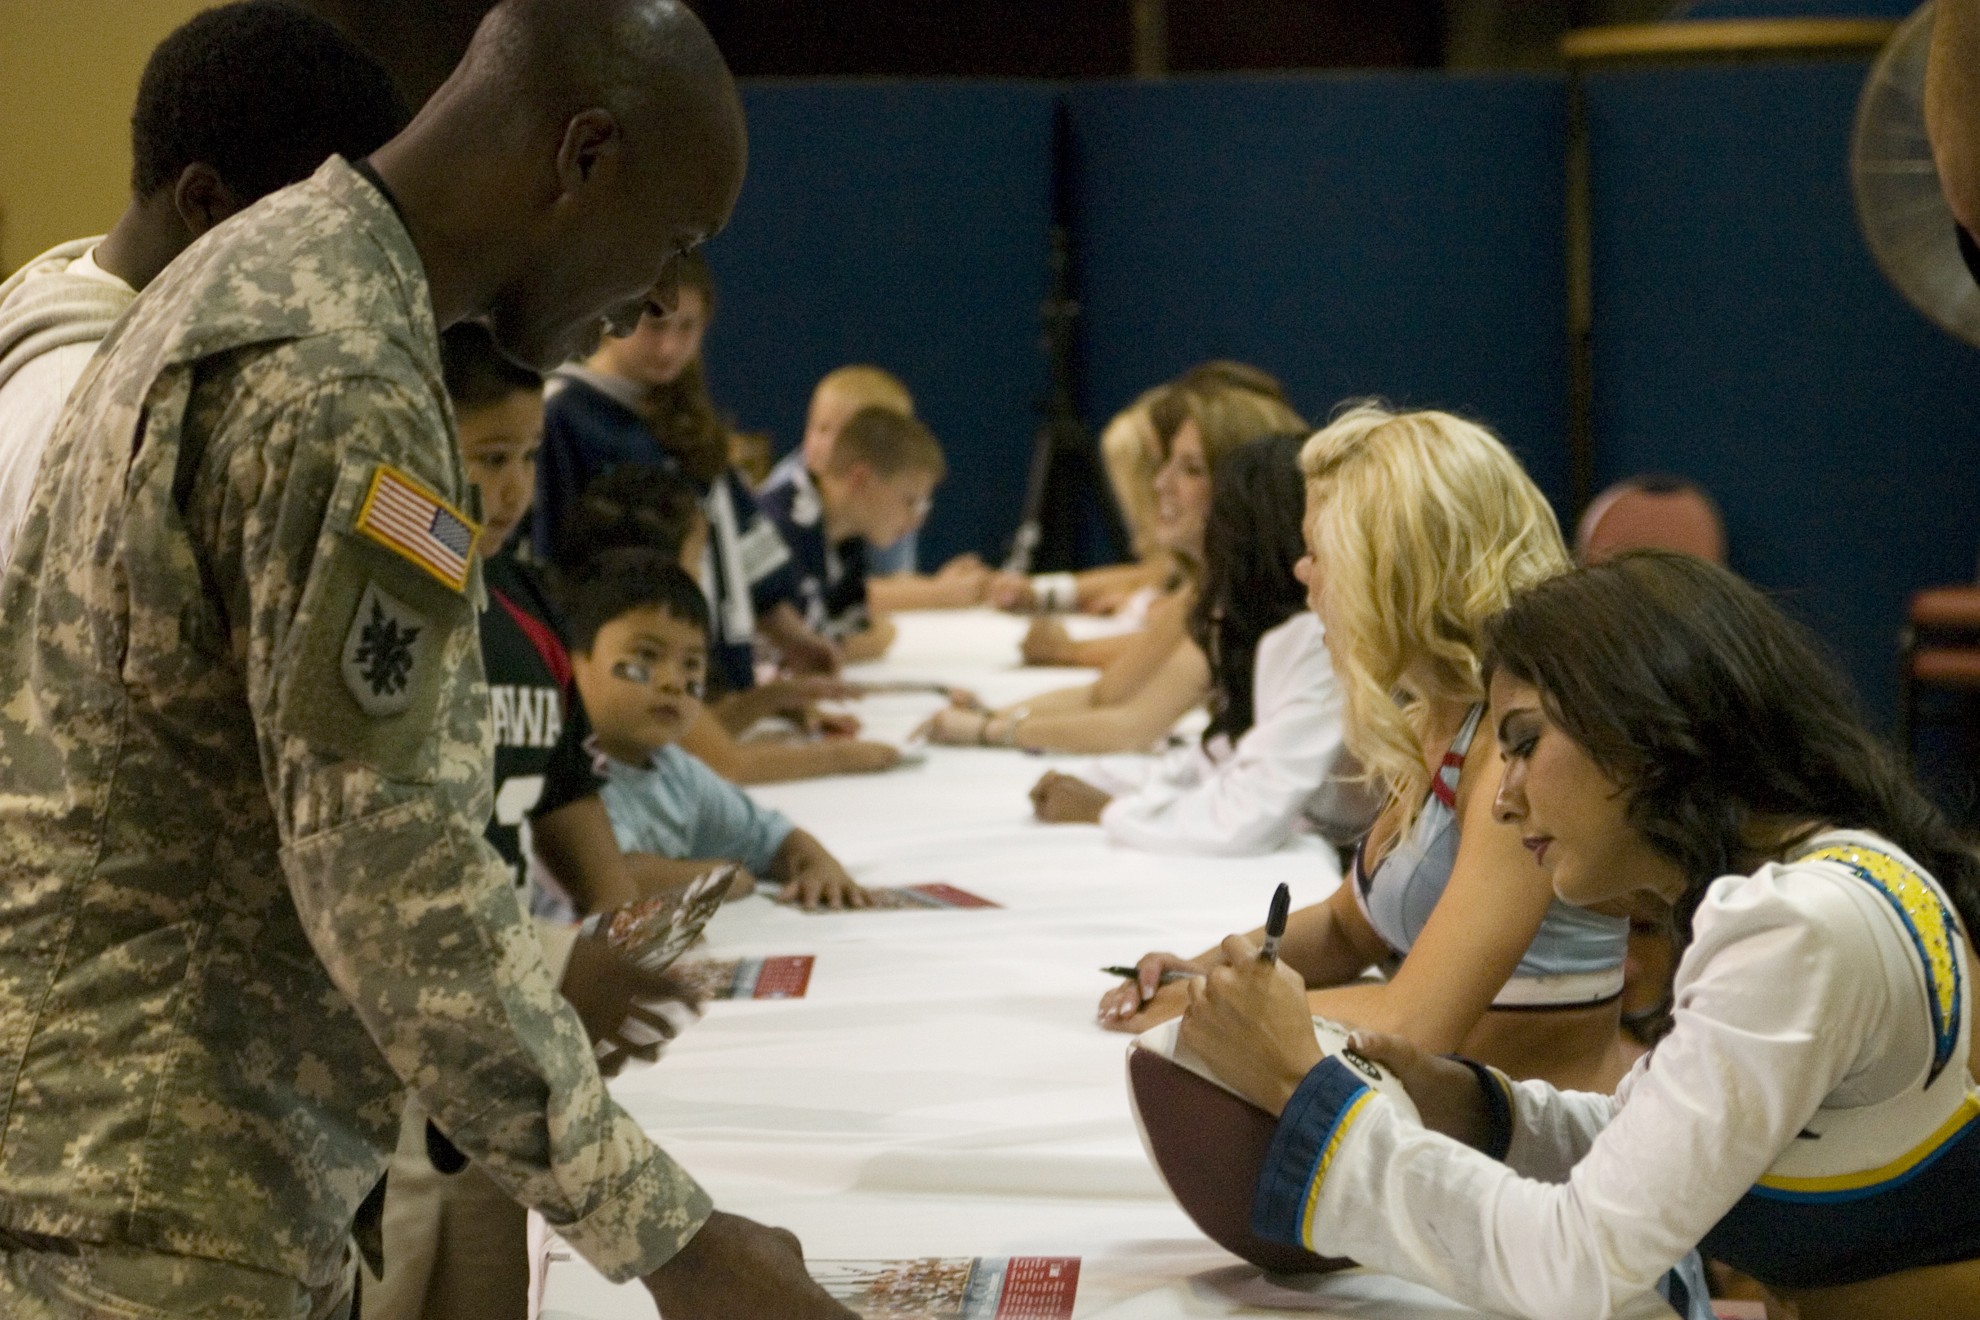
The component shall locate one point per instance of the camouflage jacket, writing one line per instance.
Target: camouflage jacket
(244, 771)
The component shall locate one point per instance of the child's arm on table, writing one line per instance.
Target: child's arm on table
(959, 584)
(812, 877)
(771, 762)
(871, 642)
(802, 650)
(793, 699)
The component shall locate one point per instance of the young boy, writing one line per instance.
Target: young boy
(876, 485)
(639, 650)
(894, 582)
(455, 1242)
(646, 508)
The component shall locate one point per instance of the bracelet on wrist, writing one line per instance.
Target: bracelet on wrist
(983, 730)
(1016, 718)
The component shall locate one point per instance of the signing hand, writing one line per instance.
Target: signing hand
(1250, 1022)
(1067, 800)
(796, 699)
(1145, 1002)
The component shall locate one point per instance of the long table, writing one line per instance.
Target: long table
(942, 1089)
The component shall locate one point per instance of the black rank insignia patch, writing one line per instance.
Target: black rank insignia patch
(381, 651)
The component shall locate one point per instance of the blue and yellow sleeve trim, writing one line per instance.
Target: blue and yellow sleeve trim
(1871, 1182)
(1311, 1129)
(1933, 929)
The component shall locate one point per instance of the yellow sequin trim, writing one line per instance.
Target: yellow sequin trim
(1932, 927)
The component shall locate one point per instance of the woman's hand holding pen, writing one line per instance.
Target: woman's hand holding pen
(1249, 1021)
(1157, 992)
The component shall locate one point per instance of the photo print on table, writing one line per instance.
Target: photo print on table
(784, 977)
(954, 1287)
(916, 898)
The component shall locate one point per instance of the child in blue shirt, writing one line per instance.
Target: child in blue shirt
(871, 492)
(639, 650)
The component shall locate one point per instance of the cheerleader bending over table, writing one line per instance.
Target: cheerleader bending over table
(1810, 1118)
(1419, 527)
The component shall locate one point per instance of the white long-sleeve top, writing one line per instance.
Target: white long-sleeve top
(1290, 768)
(1802, 991)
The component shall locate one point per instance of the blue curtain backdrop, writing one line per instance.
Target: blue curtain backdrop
(1396, 235)
(902, 224)
(1745, 338)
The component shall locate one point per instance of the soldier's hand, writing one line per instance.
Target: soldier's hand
(737, 1269)
(629, 1012)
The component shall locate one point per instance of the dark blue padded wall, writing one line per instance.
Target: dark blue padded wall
(903, 224)
(1396, 235)
(1744, 337)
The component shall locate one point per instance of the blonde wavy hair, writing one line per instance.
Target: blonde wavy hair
(1232, 404)
(1132, 454)
(1424, 525)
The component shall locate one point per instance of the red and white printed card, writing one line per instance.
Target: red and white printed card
(786, 977)
(954, 1287)
(926, 897)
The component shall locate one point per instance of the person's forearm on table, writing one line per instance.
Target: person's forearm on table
(654, 875)
(871, 642)
(1148, 652)
(773, 761)
(915, 591)
(1091, 732)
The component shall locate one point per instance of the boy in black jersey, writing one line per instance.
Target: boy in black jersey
(455, 1245)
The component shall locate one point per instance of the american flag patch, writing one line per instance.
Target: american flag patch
(405, 518)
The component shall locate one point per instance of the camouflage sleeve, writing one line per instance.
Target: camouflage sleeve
(347, 571)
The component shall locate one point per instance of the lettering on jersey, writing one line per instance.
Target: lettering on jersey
(526, 716)
(761, 551)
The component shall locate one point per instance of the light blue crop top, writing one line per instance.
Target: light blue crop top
(1576, 956)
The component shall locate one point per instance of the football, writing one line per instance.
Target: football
(1209, 1144)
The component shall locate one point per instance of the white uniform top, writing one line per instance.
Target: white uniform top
(1804, 1002)
(1286, 770)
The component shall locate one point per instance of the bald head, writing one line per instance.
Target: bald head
(584, 144)
(650, 63)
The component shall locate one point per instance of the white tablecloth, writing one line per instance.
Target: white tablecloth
(943, 1090)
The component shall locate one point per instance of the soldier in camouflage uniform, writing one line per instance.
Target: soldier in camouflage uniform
(244, 743)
